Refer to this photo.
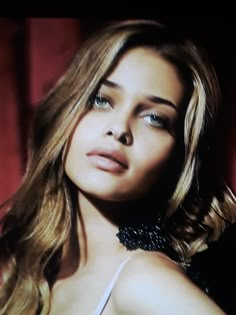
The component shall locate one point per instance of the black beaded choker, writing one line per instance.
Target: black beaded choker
(143, 236)
(146, 236)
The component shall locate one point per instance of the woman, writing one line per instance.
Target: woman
(117, 195)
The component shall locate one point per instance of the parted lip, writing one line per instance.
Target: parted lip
(110, 153)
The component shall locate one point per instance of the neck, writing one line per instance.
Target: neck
(97, 226)
(99, 221)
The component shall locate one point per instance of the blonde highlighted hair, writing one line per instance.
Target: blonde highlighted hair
(40, 216)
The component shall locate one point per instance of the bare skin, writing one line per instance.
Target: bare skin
(164, 289)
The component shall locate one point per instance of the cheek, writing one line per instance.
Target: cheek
(153, 157)
(73, 157)
(85, 134)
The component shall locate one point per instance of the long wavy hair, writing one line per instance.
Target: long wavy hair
(40, 216)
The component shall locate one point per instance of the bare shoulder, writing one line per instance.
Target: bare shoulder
(151, 283)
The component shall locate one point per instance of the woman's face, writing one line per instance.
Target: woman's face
(120, 147)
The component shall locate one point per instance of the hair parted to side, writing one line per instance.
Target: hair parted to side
(39, 220)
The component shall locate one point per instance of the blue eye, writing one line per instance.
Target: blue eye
(156, 121)
(101, 102)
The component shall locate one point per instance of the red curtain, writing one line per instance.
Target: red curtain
(10, 151)
(33, 54)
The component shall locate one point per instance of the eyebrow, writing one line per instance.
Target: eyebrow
(152, 98)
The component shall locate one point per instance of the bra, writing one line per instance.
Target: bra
(107, 293)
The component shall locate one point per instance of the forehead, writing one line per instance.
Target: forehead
(144, 71)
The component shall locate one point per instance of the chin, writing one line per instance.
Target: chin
(108, 190)
(113, 196)
(107, 196)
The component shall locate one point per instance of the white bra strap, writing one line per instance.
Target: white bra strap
(107, 293)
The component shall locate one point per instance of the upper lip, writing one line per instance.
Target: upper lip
(110, 153)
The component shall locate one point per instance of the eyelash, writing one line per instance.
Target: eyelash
(163, 121)
(99, 98)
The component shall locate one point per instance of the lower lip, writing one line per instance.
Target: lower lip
(106, 164)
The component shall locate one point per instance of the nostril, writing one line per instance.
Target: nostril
(123, 139)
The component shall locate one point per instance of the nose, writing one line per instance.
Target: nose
(119, 129)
